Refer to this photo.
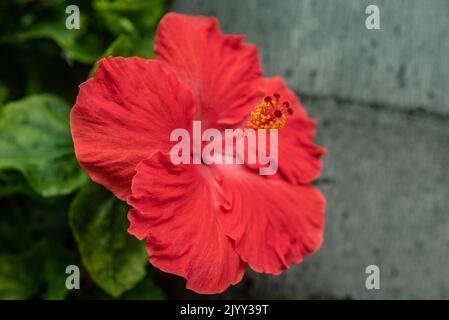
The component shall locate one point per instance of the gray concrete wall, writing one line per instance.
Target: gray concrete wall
(382, 103)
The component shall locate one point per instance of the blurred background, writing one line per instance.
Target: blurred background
(380, 98)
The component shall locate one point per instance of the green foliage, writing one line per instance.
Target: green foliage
(115, 260)
(129, 16)
(12, 182)
(51, 216)
(145, 290)
(35, 140)
(42, 265)
(16, 281)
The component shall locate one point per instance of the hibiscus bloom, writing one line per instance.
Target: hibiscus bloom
(205, 223)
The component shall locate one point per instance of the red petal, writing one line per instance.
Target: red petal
(273, 223)
(299, 157)
(176, 210)
(222, 72)
(125, 114)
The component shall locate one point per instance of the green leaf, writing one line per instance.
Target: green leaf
(16, 281)
(129, 16)
(53, 271)
(47, 261)
(81, 47)
(147, 289)
(101, 21)
(35, 140)
(41, 265)
(128, 45)
(115, 260)
(48, 21)
(3, 93)
(33, 235)
(12, 182)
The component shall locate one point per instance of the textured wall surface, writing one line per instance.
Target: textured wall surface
(381, 98)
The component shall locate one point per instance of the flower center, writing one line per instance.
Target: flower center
(269, 114)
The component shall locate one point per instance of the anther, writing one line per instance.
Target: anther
(271, 113)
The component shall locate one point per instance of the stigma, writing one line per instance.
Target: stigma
(269, 114)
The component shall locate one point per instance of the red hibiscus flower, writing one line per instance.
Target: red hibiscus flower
(202, 222)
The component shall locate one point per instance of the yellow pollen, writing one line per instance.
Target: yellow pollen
(269, 114)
